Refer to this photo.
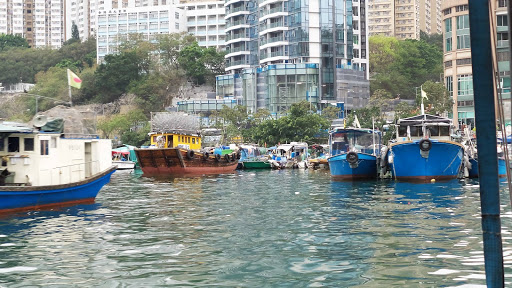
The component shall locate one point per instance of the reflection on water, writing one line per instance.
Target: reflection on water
(288, 228)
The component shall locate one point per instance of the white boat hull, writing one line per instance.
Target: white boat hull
(124, 165)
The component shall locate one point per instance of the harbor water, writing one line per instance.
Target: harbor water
(283, 228)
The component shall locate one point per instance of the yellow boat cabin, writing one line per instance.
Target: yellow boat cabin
(176, 139)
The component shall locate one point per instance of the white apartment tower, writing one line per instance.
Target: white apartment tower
(404, 19)
(41, 23)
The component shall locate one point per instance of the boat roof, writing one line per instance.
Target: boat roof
(176, 132)
(14, 127)
(424, 119)
(361, 130)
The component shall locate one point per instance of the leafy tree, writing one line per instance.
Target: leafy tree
(154, 91)
(74, 32)
(382, 53)
(22, 64)
(53, 84)
(438, 100)
(432, 39)
(299, 125)
(169, 47)
(404, 110)
(9, 40)
(331, 112)
(85, 52)
(190, 59)
(119, 124)
(114, 76)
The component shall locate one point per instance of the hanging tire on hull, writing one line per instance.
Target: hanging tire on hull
(190, 154)
(352, 157)
(425, 145)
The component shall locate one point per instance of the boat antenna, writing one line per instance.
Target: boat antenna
(373, 135)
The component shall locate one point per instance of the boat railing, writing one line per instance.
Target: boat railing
(69, 173)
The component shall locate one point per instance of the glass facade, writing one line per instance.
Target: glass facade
(448, 34)
(463, 32)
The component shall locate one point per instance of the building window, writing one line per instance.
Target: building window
(448, 34)
(447, 11)
(176, 15)
(462, 22)
(13, 144)
(502, 20)
(28, 144)
(465, 61)
(449, 85)
(448, 64)
(465, 85)
(44, 147)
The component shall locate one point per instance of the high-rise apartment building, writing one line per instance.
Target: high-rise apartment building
(458, 71)
(39, 21)
(404, 19)
(282, 52)
(205, 20)
(116, 25)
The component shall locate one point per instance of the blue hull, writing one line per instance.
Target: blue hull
(443, 162)
(15, 198)
(502, 168)
(366, 169)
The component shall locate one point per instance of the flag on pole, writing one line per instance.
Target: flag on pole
(73, 80)
(423, 93)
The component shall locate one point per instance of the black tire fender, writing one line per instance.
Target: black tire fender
(227, 158)
(352, 157)
(217, 157)
(205, 156)
(190, 154)
(425, 145)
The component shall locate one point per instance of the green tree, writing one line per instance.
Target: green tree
(53, 84)
(154, 91)
(191, 60)
(74, 32)
(9, 41)
(331, 112)
(169, 47)
(432, 39)
(120, 124)
(113, 77)
(438, 100)
(300, 124)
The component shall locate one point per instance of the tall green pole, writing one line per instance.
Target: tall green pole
(485, 119)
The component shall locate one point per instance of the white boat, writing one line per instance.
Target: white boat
(43, 167)
(292, 155)
(121, 160)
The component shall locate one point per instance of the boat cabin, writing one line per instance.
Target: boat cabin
(35, 158)
(344, 140)
(293, 150)
(424, 126)
(179, 139)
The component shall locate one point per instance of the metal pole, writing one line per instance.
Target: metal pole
(485, 122)
(37, 99)
(70, 98)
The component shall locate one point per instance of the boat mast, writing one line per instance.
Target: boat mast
(485, 121)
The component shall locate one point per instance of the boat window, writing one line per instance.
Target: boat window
(445, 130)
(188, 139)
(13, 144)
(2, 144)
(415, 131)
(44, 147)
(193, 140)
(154, 139)
(434, 130)
(402, 131)
(54, 142)
(28, 144)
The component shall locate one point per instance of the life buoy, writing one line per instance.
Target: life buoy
(425, 145)
(227, 158)
(190, 154)
(205, 156)
(217, 157)
(352, 157)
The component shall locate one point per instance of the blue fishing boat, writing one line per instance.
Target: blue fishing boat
(354, 153)
(42, 167)
(424, 150)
